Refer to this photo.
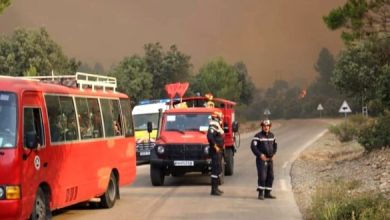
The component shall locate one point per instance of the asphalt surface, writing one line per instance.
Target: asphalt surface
(189, 197)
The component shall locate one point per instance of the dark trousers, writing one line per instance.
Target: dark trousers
(216, 166)
(265, 174)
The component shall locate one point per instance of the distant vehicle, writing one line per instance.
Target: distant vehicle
(182, 145)
(147, 111)
(61, 145)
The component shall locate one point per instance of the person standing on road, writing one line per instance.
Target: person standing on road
(216, 141)
(264, 147)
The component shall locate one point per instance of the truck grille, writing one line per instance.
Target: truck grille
(184, 151)
(145, 146)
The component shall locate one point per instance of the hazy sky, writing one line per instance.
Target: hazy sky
(277, 39)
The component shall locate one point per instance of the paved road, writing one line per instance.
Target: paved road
(188, 197)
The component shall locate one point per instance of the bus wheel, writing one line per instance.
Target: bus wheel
(229, 158)
(156, 175)
(41, 210)
(107, 200)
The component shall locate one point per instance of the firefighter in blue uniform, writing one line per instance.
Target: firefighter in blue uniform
(215, 137)
(264, 147)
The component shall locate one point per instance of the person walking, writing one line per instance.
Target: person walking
(215, 137)
(264, 147)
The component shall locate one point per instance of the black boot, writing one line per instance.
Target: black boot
(268, 195)
(214, 187)
(261, 194)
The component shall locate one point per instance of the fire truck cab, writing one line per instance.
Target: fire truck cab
(182, 145)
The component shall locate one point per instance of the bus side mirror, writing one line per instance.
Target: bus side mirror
(150, 127)
(31, 140)
(235, 126)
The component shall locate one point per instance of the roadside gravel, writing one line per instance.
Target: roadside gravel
(327, 160)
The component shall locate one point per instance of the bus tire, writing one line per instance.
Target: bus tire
(41, 209)
(229, 159)
(108, 199)
(156, 175)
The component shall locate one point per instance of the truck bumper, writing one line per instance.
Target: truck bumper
(183, 165)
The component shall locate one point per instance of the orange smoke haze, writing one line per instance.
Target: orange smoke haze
(275, 39)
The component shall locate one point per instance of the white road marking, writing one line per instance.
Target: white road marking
(285, 164)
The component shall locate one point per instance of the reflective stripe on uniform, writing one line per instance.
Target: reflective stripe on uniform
(214, 176)
(216, 127)
(268, 188)
(263, 139)
(261, 187)
(266, 139)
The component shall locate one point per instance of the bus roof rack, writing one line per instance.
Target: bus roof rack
(80, 80)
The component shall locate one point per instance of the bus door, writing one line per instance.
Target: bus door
(34, 162)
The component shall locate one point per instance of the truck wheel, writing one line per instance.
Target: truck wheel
(108, 199)
(156, 175)
(41, 209)
(229, 165)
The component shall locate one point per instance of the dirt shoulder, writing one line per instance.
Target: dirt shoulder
(327, 160)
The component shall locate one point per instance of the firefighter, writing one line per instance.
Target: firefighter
(264, 147)
(215, 136)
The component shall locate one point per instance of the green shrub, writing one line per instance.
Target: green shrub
(376, 134)
(357, 120)
(335, 201)
(345, 131)
(350, 129)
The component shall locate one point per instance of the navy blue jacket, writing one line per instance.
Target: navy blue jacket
(263, 143)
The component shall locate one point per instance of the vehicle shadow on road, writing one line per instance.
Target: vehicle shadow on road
(78, 206)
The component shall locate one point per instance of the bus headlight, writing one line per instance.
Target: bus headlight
(12, 192)
(206, 150)
(160, 149)
(1, 193)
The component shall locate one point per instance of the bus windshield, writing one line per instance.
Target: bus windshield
(141, 121)
(187, 122)
(7, 120)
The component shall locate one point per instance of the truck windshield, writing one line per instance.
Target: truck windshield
(141, 121)
(187, 122)
(7, 120)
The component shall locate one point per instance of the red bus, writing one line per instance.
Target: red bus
(61, 145)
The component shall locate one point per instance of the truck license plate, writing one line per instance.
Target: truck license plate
(183, 163)
(144, 153)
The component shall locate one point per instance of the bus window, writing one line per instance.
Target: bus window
(111, 117)
(54, 115)
(8, 113)
(62, 118)
(116, 113)
(89, 118)
(127, 119)
(94, 109)
(69, 122)
(33, 124)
